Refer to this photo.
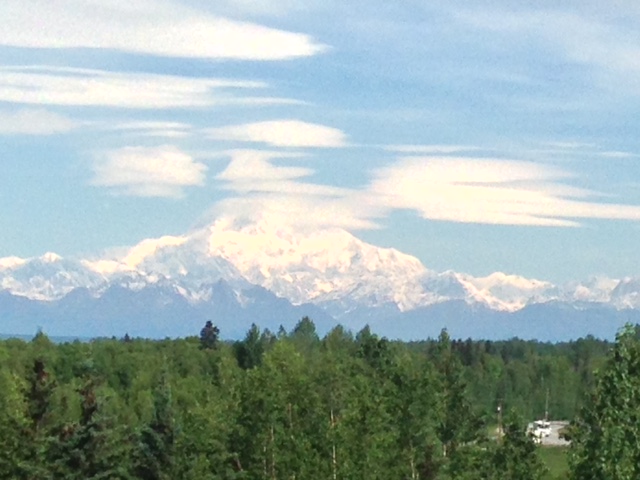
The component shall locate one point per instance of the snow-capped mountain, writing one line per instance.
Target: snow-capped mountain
(326, 267)
(330, 271)
(330, 268)
(48, 277)
(626, 293)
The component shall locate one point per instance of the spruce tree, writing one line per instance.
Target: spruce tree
(157, 439)
(250, 350)
(91, 448)
(39, 394)
(209, 336)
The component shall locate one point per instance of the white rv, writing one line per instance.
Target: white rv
(541, 429)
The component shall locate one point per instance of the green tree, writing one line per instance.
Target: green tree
(14, 444)
(373, 350)
(367, 432)
(457, 423)
(91, 448)
(516, 456)
(458, 427)
(249, 351)
(304, 336)
(157, 439)
(209, 336)
(39, 394)
(606, 435)
(413, 401)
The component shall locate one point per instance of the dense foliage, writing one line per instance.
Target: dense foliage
(282, 406)
(606, 434)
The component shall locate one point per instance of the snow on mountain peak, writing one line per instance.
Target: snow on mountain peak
(11, 262)
(315, 266)
(50, 257)
(502, 291)
(48, 277)
(594, 289)
(134, 256)
(280, 246)
(626, 294)
(146, 248)
(330, 268)
(502, 279)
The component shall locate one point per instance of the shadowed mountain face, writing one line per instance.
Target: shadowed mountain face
(153, 311)
(258, 273)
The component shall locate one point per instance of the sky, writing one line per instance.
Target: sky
(478, 136)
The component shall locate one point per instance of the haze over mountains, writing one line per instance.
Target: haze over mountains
(238, 273)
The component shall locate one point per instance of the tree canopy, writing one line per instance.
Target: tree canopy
(296, 405)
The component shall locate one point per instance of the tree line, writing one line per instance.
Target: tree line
(292, 405)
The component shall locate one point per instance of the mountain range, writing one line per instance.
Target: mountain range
(237, 273)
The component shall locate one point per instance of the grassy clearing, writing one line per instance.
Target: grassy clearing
(555, 458)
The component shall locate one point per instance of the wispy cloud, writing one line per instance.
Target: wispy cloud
(29, 121)
(576, 150)
(282, 133)
(618, 154)
(611, 47)
(302, 211)
(471, 190)
(447, 188)
(431, 149)
(155, 27)
(152, 129)
(269, 8)
(255, 171)
(284, 193)
(81, 87)
(571, 145)
(161, 171)
(251, 166)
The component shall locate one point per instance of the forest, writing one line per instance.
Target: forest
(293, 405)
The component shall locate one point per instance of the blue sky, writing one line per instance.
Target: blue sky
(478, 136)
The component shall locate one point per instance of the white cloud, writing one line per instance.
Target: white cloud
(254, 171)
(81, 87)
(34, 122)
(282, 133)
(266, 189)
(353, 213)
(155, 27)
(253, 166)
(447, 188)
(148, 171)
(152, 129)
(618, 154)
(489, 191)
(270, 8)
(571, 145)
(431, 149)
(594, 43)
(611, 47)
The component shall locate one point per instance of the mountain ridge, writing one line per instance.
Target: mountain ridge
(331, 272)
